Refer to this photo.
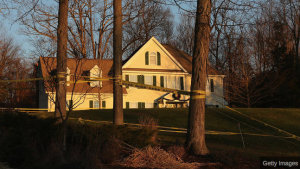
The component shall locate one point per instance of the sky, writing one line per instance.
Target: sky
(13, 29)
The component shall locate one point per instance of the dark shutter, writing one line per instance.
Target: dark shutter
(127, 79)
(147, 58)
(70, 103)
(154, 80)
(91, 104)
(158, 58)
(142, 79)
(212, 88)
(103, 104)
(127, 105)
(181, 83)
(162, 82)
(141, 105)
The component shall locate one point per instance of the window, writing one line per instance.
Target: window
(181, 83)
(96, 104)
(95, 73)
(154, 80)
(141, 79)
(147, 58)
(152, 58)
(141, 105)
(212, 87)
(155, 105)
(158, 59)
(103, 104)
(127, 105)
(162, 80)
(127, 79)
(91, 104)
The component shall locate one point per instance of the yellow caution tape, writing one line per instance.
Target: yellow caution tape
(198, 97)
(199, 92)
(30, 109)
(183, 130)
(266, 124)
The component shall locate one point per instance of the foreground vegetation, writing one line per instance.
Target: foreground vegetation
(223, 120)
(28, 141)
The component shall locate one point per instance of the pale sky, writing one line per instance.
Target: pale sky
(14, 30)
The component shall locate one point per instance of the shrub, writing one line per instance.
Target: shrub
(29, 142)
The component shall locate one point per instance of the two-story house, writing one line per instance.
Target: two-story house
(152, 64)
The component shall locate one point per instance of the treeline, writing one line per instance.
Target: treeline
(13, 66)
(254, 43)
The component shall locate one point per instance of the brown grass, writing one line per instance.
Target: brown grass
(146, 121)
(155, 157)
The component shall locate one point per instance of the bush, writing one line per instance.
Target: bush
(29, 142)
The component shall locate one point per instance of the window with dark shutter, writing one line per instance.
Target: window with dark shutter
(147, 58)
(158, 59)
(212, 87)
(162, 80)
(141, 105)
(127, 105)
(181, 83)
(154, 80)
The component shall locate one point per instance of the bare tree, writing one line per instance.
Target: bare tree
(196, 121)
(117, 66)
(61, 66)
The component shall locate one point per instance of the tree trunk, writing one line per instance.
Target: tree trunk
(117, 51)
(62, 40)
(196, 123)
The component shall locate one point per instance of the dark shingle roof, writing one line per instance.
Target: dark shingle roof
(186, 60)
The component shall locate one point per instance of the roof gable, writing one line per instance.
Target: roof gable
(137, 59)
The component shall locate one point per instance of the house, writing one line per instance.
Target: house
(151, 64)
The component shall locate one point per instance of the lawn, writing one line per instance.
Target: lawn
(218, 119)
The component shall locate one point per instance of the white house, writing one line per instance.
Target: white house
(152, 64)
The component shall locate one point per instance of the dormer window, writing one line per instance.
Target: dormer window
(153, 58)
(95, 73)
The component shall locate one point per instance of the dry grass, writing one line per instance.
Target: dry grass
(155, 157)
(146, 121)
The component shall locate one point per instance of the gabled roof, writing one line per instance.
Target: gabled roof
(186, 60)
(181, 57)
(80, 67)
